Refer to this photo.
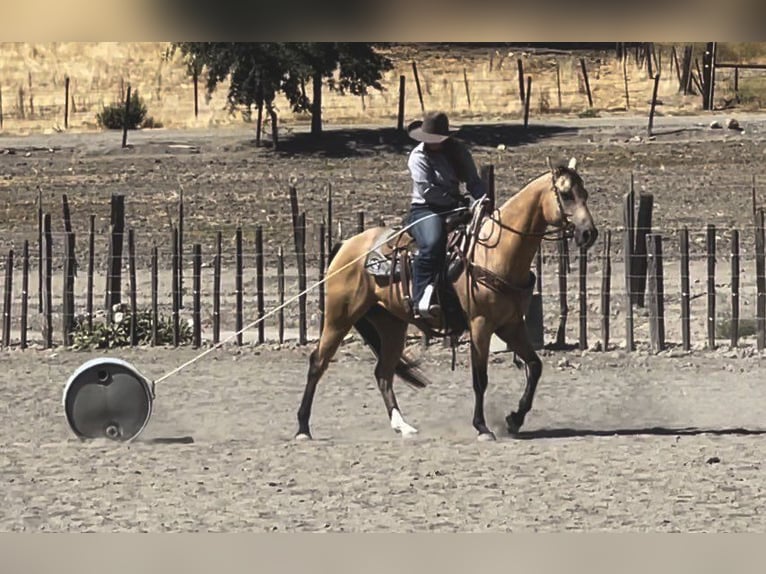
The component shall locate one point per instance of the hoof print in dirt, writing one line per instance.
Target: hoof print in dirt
(713, 460)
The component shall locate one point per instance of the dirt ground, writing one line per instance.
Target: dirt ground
(615, 441)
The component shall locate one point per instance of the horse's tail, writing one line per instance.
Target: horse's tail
(407, 368)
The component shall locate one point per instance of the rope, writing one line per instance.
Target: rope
(314, 286)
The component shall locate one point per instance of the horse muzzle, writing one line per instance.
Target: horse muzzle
(585, 237)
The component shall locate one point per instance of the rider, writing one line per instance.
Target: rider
(438, 164)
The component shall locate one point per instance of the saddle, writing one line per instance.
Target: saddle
(391, 265)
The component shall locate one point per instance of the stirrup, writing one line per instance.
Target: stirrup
(424, 308)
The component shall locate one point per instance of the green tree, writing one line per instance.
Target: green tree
(260, 70)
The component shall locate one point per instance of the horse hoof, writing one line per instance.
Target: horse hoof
(514, 426)
(487, 437)
(302, 436)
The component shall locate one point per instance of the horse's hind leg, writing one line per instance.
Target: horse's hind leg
(518, 341)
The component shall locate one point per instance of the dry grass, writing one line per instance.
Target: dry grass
(99, 72)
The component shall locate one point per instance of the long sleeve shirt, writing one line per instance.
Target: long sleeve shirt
(435, 182)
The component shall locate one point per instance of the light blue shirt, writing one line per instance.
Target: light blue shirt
(435, 181)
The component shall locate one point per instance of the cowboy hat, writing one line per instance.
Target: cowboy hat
(433, 129)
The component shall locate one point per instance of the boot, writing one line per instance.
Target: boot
(424, 308)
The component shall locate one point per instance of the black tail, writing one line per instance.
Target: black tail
(407, 368)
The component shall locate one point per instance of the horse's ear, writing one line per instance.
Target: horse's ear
(572, 163)
(548, 161)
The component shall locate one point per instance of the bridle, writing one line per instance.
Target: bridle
(563, 231)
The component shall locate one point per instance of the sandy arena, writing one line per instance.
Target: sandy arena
(614, 442)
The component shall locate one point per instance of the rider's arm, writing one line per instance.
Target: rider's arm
(473, 183)
(427, 184)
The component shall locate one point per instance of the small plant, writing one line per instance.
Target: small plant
(116, 332)
(725, 326)
(589, 113)
(112, 117)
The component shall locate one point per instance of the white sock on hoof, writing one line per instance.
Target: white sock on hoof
(399, 425)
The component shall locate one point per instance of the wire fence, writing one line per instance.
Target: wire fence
(71, 94)
(721, 285)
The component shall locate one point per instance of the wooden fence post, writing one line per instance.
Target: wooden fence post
(114, 272)
(302, 323)
(685, 291)
(522, 95)
(40, 250)
(48, 296)
(587, 82)
(321, 276)
(710, 244)
(417, 84)
(654, 104)
(628, 259)
(24, 293)
(467, 90)
(259, 281)
(238, 319)
(760, 266)
(181, 248)
(642, 228)
(281, 293)
(400, 116)
(67, 314)
(8, 300)
(329, 218)
(125, 120)
(91, 269)
(132, 279)
(155, 286)
(527, 99)
(66, 103)
(625, 81)
(583, 298)
(217, 291)
(734, 287)
(606, 285)
(656, 293)
(563, 306)
(196, 307)
(174, 288)
(195, 81)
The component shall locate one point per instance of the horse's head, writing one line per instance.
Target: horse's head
(567, 206)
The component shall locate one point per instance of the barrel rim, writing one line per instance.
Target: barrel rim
(147, 384)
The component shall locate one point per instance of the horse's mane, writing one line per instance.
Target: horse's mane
(558, 171)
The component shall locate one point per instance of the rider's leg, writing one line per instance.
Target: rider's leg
(431, 237)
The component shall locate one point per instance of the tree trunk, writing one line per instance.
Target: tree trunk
(259, 120)
(274, 128)
(316, 106)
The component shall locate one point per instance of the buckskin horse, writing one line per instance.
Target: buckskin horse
(493, 286)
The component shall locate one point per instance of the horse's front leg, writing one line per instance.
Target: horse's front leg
(516, 338)
(480, 337)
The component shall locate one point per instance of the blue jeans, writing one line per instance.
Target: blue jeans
(431, 238)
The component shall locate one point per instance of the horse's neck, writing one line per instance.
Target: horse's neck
(512, 253)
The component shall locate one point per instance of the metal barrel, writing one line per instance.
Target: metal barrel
(108, 398)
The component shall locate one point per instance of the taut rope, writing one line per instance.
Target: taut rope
(314, 286)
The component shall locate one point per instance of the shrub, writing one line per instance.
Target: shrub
(112, 116)
(116, 333)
